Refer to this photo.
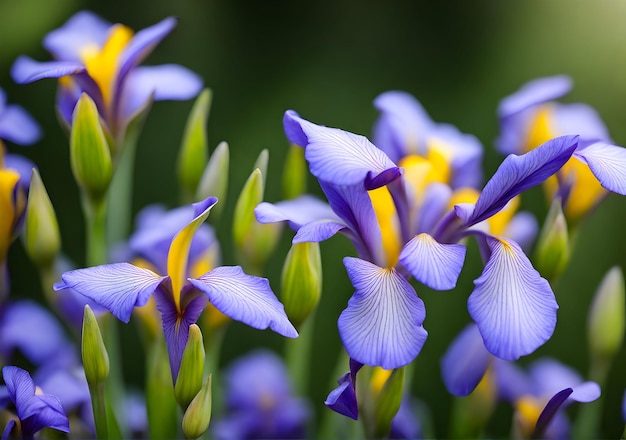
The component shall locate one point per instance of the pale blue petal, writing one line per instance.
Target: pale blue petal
(17, 126)
(119, 287)
(579, 119)
(338, 156)
(519, 173)
(465, 362)
(550, 376)
(534, 93)
(245, 298)
(298, 212)
(317, 231)
(586, 392)
(434, 264)
(26, 70)
(514, 307)
(382, 325)
(82, 30)
(608, 163)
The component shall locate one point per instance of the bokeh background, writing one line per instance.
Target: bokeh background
(328, 60)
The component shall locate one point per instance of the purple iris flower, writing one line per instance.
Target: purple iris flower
(513, 305)
(34, 409)
(102, 59)
(531, 116)
(120, 287)
(538, 393)
(260, 402)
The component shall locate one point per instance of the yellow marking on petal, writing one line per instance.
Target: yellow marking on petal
(179, 254)
(464, 195)
(102, 63)
(499, 221)
(440, 157)
(9, 209)
(539, 130)
(387, 218)
(529, 408)
(379, 379)
(204, 262)
(419, 171)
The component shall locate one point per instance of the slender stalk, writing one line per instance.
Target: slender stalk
(98, 404)
(95, 224)
(298, 356)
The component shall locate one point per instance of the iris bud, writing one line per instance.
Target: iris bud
(301, 281)
(89, 150)
(198, 414)
(294, 173)
(389, 388)
(553, 248)
(95, 357)
(189, 380)
(214, 180)
(41, 230)
(194, 147)
(606, 316)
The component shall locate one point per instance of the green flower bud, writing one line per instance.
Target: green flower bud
(194, 147)
(214, 180)
(253, 241)
(41, 230)
(553, 247)
(198, 414)
(387, 401)
(301, 281)
(90, 155)
(294, 173)
(189, 378)
(161, 403)
(95, 357)
(605, 326)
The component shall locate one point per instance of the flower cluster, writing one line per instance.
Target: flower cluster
(411, 201)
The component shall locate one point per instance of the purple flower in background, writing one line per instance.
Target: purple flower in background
(102, 59)
(531, 116)
(260, 402)
(121, 287)
(34, 409)
(16, 125)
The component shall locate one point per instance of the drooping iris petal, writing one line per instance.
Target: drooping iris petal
(26, 70)
(338, 156)
(83, 30)
(17, 126)
(535, 92)
(585, 392)
(519, 173)
(512, 304)
(550, 376)
(465, 362)
(117, 287)
(245, 298)
(550, 411)
(317, 231)
(343, 398)
(177, 257)
(608, 163)
(382, 325)
(298, 212)
(434, 264)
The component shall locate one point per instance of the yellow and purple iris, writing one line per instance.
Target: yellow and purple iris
(180, 299)
(531, 116)
(102, 60)
(513, 305)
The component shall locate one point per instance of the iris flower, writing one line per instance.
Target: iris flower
(513, 305)
(102, 60)
(35, 409)
(120, 287)
(531, 116)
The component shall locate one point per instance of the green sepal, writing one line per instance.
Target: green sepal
(192, 156)
(42, 238)
(301, 285)
(198, 414)
(294, 173)
(90, 155)
(190, 374)
(605, 325)
(94, 353)
(214, 180)
(388, 403)
(553, 250)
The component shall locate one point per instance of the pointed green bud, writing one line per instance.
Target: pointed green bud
(294, 173)
(194, 147)
(214, 180)
(553, 247)
(388, 402)
(253, 241)
(189, 378)
(41, 229)
(606, 317)
(161, 403)
(95, 357)
(261, 163)
(301, 281)
(89, 151)
(198, 414)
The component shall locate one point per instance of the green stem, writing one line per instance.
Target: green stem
(298, 356)
(95, 224)
(114, 388)
(99, 409)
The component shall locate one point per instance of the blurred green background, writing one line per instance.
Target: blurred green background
(328, 60)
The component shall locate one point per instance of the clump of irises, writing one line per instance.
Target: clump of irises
(410, 200)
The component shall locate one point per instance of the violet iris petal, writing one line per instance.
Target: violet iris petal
(608, 163)
(16, 125)
(512, 304)
(83, 29)
(533, 93)
(382, 325)
(343, 398)
(26, 70)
